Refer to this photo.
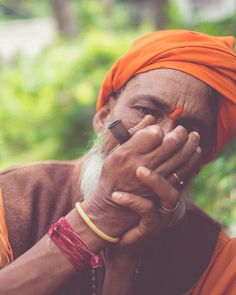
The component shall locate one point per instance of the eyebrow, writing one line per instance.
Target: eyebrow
(159, 103)
(154, 100)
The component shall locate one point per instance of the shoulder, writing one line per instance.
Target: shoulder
(34, 170)
(32, 178)
(225, 252)
(34, 196)
(220, 275)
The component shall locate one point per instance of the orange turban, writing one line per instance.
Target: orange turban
(210, 59)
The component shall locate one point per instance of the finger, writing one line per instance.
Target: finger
(187, 171)
(181, 157)
(171, 143)
(133, 237)
(146, 121)
(140, 205)
(146, 210)
(146, 139)
(159, 185)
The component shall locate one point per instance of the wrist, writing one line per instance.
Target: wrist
(103, 212)
(116, 266)
(94, 242)
(121, 259)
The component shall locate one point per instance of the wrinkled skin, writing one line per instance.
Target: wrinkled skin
(159, 143)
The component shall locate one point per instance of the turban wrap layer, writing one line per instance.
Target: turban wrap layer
(210, 59)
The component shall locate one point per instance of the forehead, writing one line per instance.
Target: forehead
(173, 88)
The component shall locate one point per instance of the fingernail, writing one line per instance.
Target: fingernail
(198, 150)
(144, 170)
(149, 117)
(196, 134)
(180, 128)
(154, 129)
(117, 195)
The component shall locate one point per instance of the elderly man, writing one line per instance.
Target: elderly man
(175, 93)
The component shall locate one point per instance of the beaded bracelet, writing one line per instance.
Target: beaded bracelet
(75, 250)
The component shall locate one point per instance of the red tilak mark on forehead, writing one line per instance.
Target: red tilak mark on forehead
(176, 113)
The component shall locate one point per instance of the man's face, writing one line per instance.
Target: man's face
(158, 93)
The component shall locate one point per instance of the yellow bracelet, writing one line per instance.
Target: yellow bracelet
(93, 227)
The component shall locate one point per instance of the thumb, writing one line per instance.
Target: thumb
(140, 205)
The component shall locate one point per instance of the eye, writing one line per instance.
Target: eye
(147, 111)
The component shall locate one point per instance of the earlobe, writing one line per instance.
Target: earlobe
(99, 118)
(101, 115)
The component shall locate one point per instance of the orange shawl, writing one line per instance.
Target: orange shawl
(6, 254)
(208, 58)
(219, 278)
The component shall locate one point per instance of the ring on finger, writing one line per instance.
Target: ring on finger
(169, 210)
(180, 181)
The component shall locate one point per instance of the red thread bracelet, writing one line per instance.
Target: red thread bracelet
(75, 250)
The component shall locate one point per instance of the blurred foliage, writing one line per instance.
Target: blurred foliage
(176, 20)
(47, 102)
(214, 189)
(20, 9)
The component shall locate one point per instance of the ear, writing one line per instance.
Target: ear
(100, 117)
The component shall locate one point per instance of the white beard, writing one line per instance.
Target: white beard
(91, 170)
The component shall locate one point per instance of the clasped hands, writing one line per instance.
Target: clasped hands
(138, 173)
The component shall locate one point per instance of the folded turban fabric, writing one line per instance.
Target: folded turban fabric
(210, 59)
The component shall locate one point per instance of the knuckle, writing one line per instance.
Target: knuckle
(128, 200)
(181, 131)
(156, 177)
(149, 207)
(154, 180)
(151, 131)
(172, 141)
(121, 156)
(155, 131)
(184, 154)
(140, 132)
(174, 195)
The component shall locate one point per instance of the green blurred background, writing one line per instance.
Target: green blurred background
(53, 58)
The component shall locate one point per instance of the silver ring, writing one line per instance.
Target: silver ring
(168, 210)
(180, 181)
